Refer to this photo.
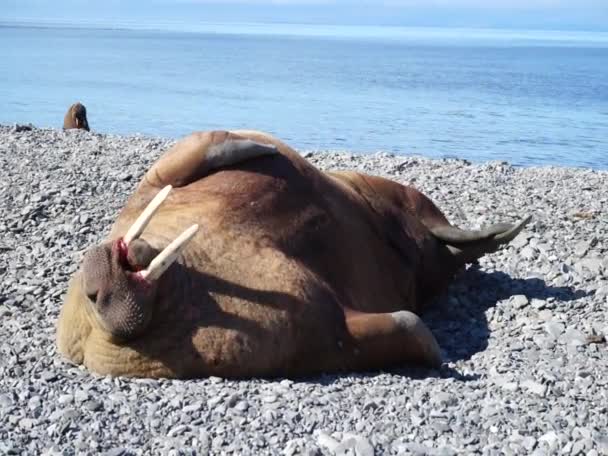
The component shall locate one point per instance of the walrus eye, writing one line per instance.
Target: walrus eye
(92, 296)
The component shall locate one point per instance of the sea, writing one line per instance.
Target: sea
(532, 98)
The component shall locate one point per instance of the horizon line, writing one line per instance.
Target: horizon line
(205, 27)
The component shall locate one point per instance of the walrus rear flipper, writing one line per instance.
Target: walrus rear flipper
(468, 245)
(199, 154)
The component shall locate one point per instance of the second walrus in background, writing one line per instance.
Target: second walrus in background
(76, 117)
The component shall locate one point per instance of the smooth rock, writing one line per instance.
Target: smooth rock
(519, 301)
(534, 387)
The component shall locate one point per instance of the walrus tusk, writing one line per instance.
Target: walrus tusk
(169, 254)
(144, 218)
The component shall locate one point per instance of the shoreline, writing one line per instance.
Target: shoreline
(21, 128)
(522, 333)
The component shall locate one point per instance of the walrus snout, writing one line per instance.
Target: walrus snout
(121, 300)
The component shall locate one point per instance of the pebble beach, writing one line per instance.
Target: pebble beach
(523, 332)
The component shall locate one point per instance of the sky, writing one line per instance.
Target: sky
(591, 15)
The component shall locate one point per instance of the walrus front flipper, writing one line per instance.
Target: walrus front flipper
(390, 339)
(466, 246)
(199, 154)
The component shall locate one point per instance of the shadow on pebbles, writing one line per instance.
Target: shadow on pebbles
(522, 332)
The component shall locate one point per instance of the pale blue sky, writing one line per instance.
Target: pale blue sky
(534, 14)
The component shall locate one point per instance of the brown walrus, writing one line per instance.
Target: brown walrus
(76, 117)
(285, 270)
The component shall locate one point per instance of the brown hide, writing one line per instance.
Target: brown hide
(76, 118)
(293, 271)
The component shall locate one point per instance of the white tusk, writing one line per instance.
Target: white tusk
(144, 218)
(169, 254)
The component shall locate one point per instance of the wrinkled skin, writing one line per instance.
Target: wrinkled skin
(292, 272)
(76, 118)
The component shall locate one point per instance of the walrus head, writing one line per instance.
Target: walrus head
(120, 278)
(76, 117)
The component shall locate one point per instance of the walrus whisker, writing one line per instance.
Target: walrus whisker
(145, 217)
(164, 259)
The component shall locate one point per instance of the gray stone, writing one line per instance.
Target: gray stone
(360, 445)
(327, 441)
(269, 398)
(510, 386)
(601, 291)
(242, 406)
(555, 328)
(528, 443)
(444, 399)
(194, 407)
(594, 266)
(81, 396)
(49, 376)
(18, 128)
(578, 448)
(214, 401)
(550, 438)
(445, 451)
(529, 252)
(534, 387)
(27, 424)
(6, 400)
(65, 399)
(581, 248)
(573, 336)
(520, 241)
(538, 304)
(118, 451)
(519, 301)
(94, 405)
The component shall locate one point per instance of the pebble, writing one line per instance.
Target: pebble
(601, 291)
(534, 387)
(270, 398)
(555, 329)
(519, 301)
(65, 399)
(520, 241)
(550, 438)
(581, 247)
(510, 386)
(81, 396)
(327, 441)
(359, 445)
(575, 337)
(6, 401)
(528, 252)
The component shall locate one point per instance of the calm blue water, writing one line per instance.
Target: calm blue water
(526, 97)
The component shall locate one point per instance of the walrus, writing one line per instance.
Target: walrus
(76, 117)
(236, 257)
